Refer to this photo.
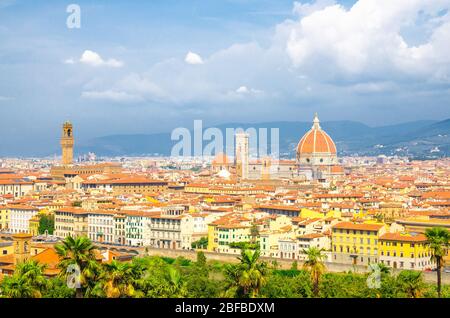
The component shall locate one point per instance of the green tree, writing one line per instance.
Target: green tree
(57, 288)
(201, 259)
(314, 263)
(294, 265)
(247, 278)
(120, 279)
(410, 283)
(28, 281)
(46, 223)
(201, 243)
(77, 257)
(286, 284)
(438, 242)
(16, 287)
(254, 233)
(177, 285)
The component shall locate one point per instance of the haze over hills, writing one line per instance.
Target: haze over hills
(417, 139)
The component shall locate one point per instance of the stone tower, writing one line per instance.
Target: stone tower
(21, 243)
(67, 143)
(242, 155)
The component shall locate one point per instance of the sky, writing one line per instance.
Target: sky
(150, 66)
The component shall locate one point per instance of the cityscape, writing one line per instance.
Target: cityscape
(297, 203)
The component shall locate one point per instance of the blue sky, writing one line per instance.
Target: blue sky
(150, 66)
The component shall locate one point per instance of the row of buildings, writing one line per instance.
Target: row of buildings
(376, 212)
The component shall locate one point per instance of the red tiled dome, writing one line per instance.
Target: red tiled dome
(316, 140)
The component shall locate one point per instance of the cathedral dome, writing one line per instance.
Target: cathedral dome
(316, 140)
(221, 159)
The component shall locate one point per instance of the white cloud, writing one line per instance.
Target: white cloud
(242, 90)
(69, 61)
(94, 59)
(366, 40)
(193, 58)
(329, 52)
(303, 9)
(111, 95)
(246, 90)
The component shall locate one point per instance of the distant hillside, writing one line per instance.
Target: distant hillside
(418, 139)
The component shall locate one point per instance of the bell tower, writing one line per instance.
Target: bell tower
(67, 143)
(21, 242)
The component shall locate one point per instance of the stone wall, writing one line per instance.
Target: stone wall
(429, 277)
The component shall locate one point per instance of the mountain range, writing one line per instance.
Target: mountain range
(418, 139)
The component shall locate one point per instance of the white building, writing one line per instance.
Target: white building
(101, 227)
(19, 218)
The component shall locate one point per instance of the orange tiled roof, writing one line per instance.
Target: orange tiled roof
(357, 226)
(408, 237)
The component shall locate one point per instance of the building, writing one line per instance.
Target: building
(101, 227)
(4, 218)
(293, 248)
(317, 153)
(136, 228)
(67, 169)
(230, 228)
(165, 228)
(33, 225)
(67, 142)
(356, 243)
(130, 185)
(242, 155)
(405, 251)
(71, 222)
(17, 187)
(20, 216)
(316, 159)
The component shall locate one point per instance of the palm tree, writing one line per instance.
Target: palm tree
(177, 287)
(33, 273)
(120, 279)
(247, 278)
(438, 242)
(16, 287)
(314, 263)
(77, 257)
(411, 283)
(28, 281)
(384, 269)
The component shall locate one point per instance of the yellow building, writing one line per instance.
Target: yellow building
(226, 230)
(212, 237)
(309, 214)
(356, 243)
(33, 225)
(4, 218)
(404, 251)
